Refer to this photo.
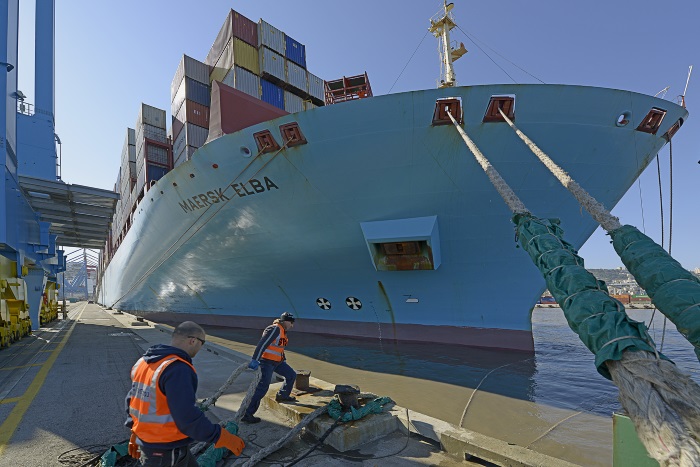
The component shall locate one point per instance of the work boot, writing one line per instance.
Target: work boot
(279, 398)
(250, 418)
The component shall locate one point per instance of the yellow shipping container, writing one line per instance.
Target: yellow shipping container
(236, 52)
(246, 56)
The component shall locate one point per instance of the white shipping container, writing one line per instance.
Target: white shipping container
(152, 132)
(191, 135)
(272, 63)
(179, 144)
(191, 68)
(308, 105)
(196, 135)
(316, 87)
(130, 136)
(293, 103)
(296, 76)
(185, 155)
(151, 116)
(224, 63)
(243, 80)
(271, 37)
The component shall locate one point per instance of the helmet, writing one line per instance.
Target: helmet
(287, 317)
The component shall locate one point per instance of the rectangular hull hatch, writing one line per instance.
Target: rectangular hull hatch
(403, 244)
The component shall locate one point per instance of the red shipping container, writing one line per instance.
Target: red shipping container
(245, 29)
(233, 110)
(236, 25)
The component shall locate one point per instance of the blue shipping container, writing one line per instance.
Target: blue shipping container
(295, 51)
(156, 172)
(272, 94)
(198, 92)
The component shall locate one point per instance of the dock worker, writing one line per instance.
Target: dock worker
(269, 356)
(161, 409)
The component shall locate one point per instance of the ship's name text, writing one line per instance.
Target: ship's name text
(218, 195)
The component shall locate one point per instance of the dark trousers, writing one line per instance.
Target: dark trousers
(178, 457)
(267, 367)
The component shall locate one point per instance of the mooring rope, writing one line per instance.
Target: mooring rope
(501, 186)
(661, 401)
(663, 404)
(263, 453)
(590, 204)
(209, 401)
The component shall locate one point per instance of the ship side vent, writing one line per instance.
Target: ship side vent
(504, 103)
(452, 105)
(674, 128)
(403, 244)
(292, 135)
(265, 141)
(652, 122)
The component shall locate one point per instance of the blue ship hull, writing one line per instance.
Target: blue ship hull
(234, 239)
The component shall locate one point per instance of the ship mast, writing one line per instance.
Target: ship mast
(440, 26)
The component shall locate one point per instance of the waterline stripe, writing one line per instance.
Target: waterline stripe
(7, 429)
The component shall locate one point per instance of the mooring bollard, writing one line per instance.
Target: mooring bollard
(302, 381)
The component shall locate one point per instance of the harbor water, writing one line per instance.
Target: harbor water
(554, 401)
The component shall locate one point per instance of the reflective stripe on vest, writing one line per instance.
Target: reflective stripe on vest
(148, 406)
(275, 351)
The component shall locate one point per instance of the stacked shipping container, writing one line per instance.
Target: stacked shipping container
(190, 95)
(153, 151)
(255, 58)
(262, 61)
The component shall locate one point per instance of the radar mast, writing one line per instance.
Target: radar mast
(440, 26)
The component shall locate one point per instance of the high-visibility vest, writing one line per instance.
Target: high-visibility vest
(275, 351)
(148, 407)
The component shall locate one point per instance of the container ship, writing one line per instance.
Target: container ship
(274, 190)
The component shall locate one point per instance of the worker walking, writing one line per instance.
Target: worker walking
(161, 409)
(269, 355)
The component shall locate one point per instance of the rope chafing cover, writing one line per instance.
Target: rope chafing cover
(599, 320)
(674, 290)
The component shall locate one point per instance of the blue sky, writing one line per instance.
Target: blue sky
(111, 56)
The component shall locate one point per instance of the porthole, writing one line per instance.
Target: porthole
(245, 151)
(624, 118)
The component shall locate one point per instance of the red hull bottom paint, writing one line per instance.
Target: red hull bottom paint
(454, 335)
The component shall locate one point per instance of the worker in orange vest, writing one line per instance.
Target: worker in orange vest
(269, 356)
(162, 414)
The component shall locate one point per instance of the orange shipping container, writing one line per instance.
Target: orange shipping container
(622, 298)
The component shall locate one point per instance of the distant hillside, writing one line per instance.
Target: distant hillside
(620, 281)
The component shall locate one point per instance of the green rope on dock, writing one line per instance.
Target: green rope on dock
(114, 453)
(335, 410)
(212, 455)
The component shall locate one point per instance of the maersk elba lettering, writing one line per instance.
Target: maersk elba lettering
(218, 195)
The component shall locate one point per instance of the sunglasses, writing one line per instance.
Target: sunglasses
(198, 338)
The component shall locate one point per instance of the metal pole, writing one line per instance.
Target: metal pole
(65, 313)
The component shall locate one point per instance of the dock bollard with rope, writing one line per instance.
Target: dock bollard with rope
(662, 402)
(210, 455)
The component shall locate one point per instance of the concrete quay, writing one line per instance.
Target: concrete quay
(62, 403)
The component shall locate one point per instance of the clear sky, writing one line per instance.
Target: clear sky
(111, 56)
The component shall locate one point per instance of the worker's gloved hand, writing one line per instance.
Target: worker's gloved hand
(254, 364)
(230, 441)
(133, 448)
